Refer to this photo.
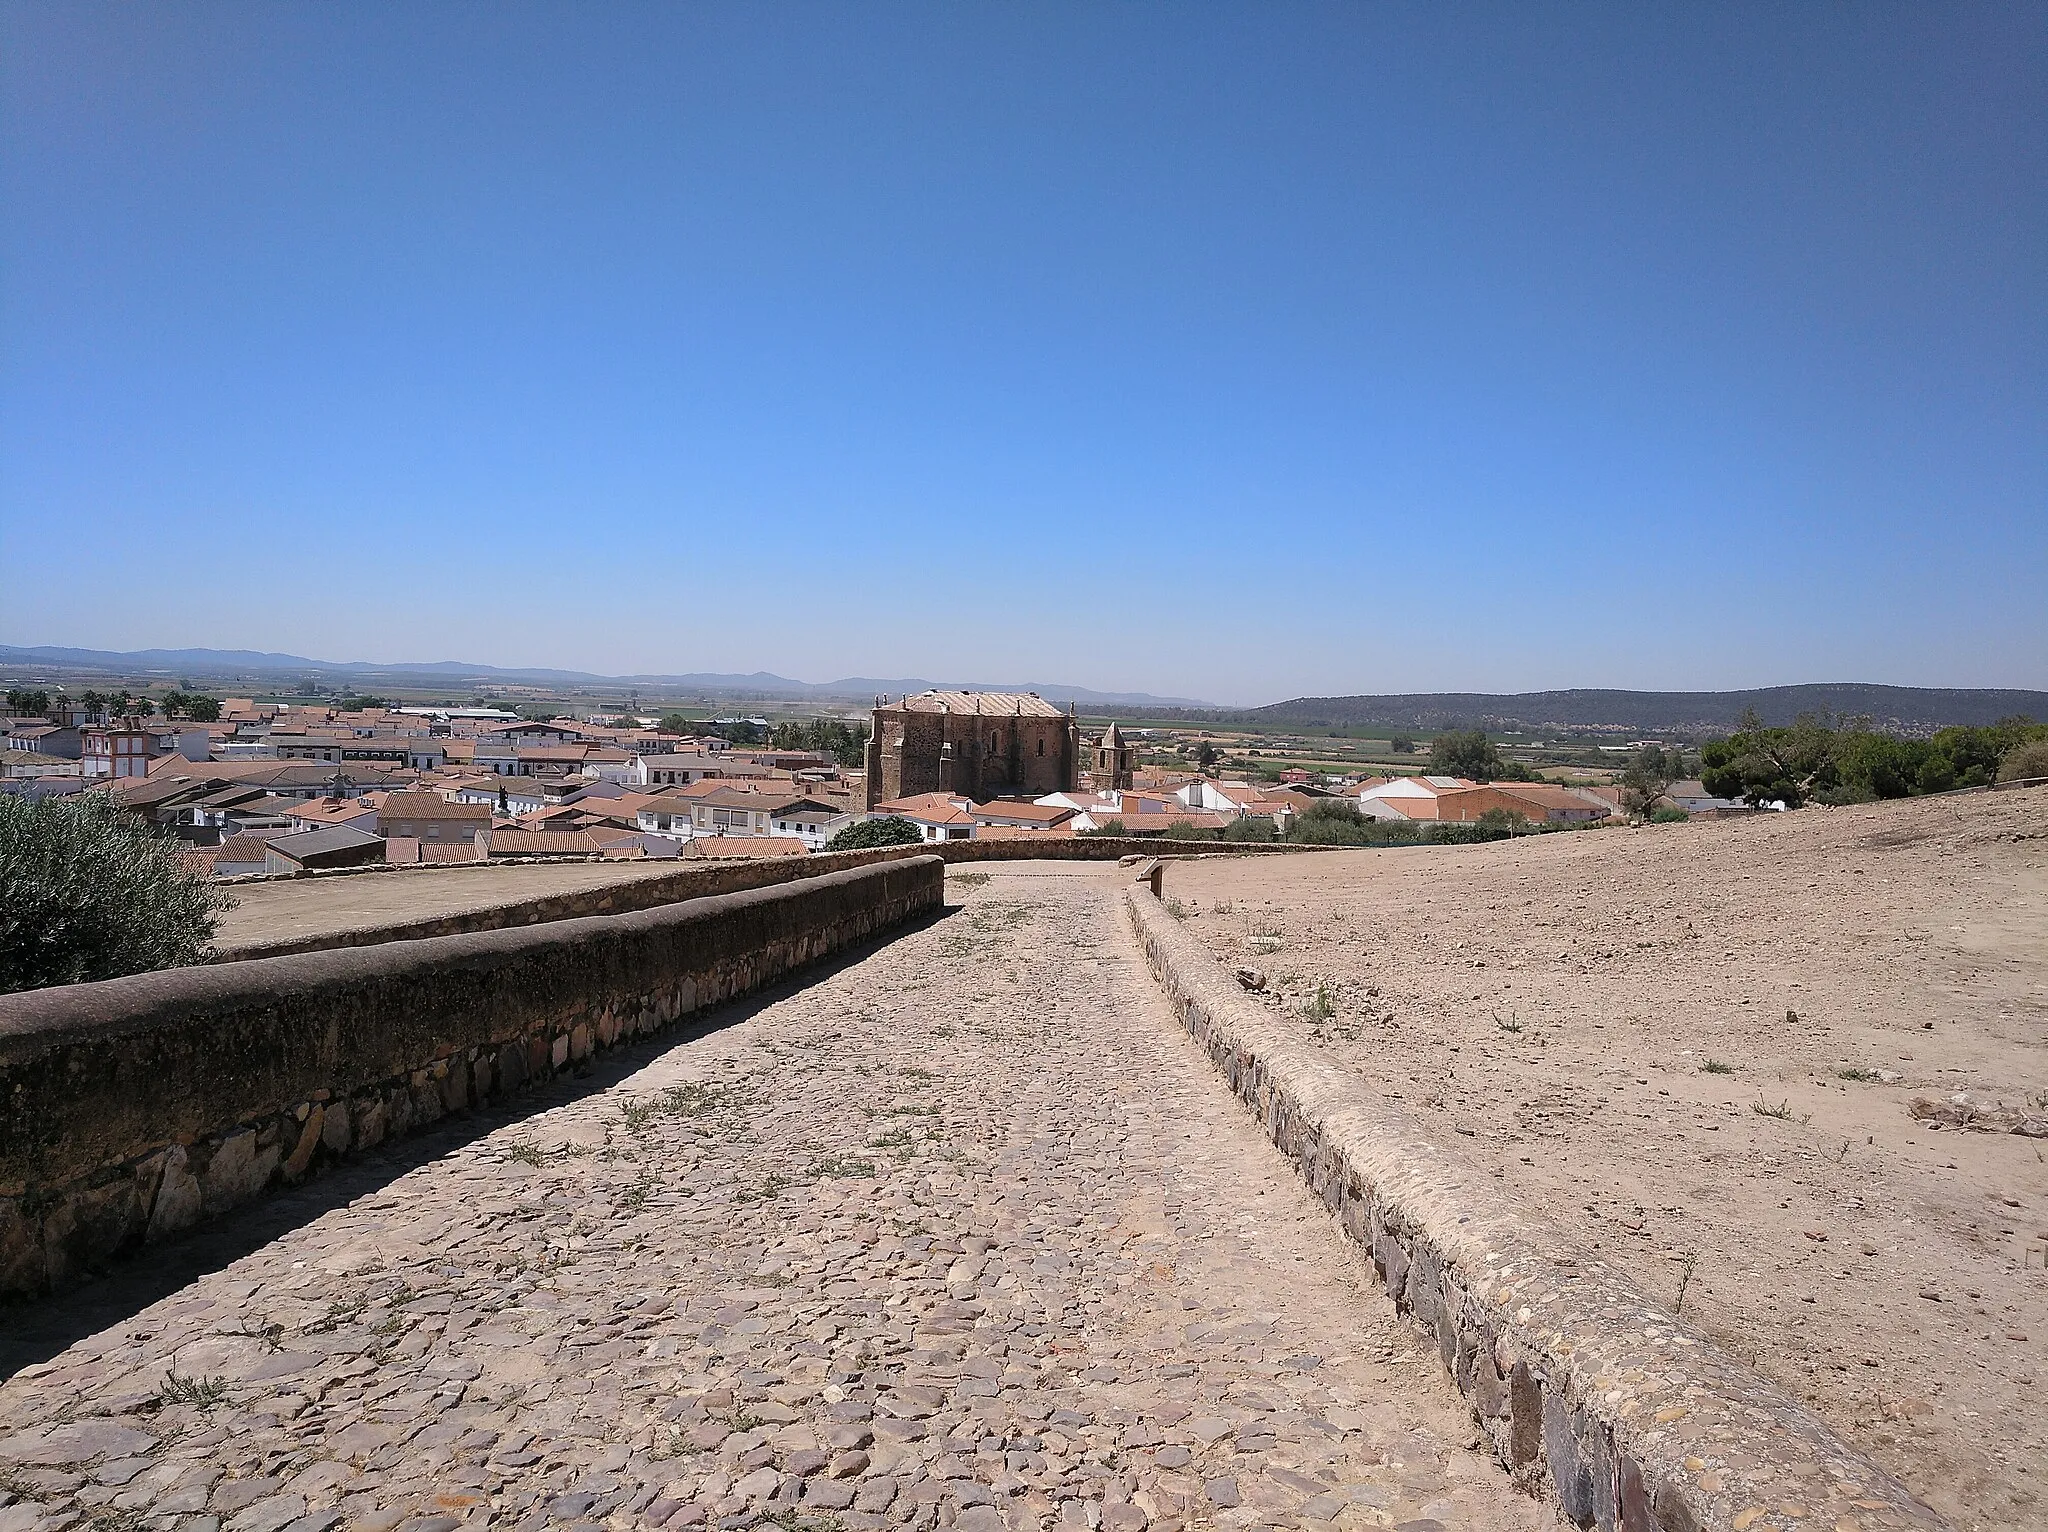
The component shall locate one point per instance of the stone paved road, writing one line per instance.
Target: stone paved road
(963, 1234)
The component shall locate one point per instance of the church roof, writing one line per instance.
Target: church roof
(1111, 739)
(996, 704)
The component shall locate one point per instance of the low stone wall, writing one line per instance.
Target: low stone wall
(130, 1109)
(1591, 1393)
(701, 879)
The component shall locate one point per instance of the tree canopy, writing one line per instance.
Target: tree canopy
(887, 831)
(1470, 754)
(196, 706)
(87, 893)
(1827, 760)
(845, 743)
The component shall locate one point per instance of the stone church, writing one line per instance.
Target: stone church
(979, 745)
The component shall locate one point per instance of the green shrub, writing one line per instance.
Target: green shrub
(887, 831)
(1253, 827)
(1107, 827)
(88, 894)
(1669, 817)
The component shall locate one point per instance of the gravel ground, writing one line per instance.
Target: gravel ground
(964, 1233)
(1694, 1048)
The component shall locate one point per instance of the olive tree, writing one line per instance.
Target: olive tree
(86, 893)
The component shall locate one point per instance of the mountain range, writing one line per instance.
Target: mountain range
(251, 664)
(1898, 709)
(1901, 709)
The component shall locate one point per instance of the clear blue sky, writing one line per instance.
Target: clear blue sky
(1230, 351)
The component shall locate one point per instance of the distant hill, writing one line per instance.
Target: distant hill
(1901, 709)
(249, 665)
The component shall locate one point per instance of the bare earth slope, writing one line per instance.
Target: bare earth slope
(1554, 1005)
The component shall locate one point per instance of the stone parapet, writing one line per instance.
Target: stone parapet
(1591, 1392)
(132, 1108)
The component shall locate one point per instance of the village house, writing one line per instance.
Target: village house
(937, 816)
(39, 736)
(317, 813)
(429, 817)
(1537, 802)
(335, 846)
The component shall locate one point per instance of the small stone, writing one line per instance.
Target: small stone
(829, 1494)
(1221, 1492)
(1173, 1456)
(272, 1514)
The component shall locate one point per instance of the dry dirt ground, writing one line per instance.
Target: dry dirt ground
(964, 1234)
(266, 912)
(1694, 1046)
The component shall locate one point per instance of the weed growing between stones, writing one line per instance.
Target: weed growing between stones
(841, 1165)
(678, 1445)
(970, 879)
(985, 927)
(1177, 910)
(1320, 1006)
(525, 1153)
(1718, 1067)
(764, 1190)
(1686, 1268)
(791, 1520)
(1865, 1076)
(700, 1098)
(1782, 1111)
(634, 1197)
(1514, 1025)
(272, 1335)
(201, 1393)
(340, 1311)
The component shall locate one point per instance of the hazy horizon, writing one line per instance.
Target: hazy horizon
(1236, 354)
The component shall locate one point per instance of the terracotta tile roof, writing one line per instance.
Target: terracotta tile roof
(998, 704)
(748, 845)
(1147, 824)
(406, 807)
(1039, 814)
(927, 808)
(542, 843)
(246, 849)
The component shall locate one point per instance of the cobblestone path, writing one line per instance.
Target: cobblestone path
(962, 1234)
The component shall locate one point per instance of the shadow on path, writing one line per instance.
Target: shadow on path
(36, 1331)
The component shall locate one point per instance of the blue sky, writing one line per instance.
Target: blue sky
(1240, 352)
